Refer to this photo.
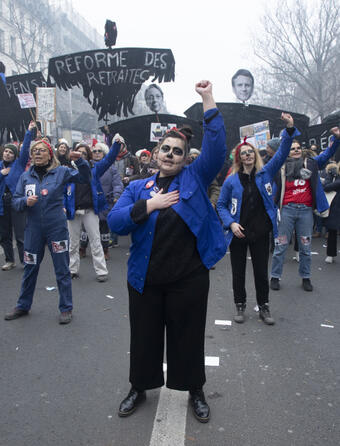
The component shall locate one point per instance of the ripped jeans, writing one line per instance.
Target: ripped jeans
(298, 217)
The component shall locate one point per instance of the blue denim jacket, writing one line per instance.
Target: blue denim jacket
(194, 206)
(98, 195)
(17, 168)
(230, 201)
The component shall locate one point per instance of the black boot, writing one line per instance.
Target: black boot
(199, 405)
(239, 316)
(130, 403)
(274, 284)
(307, 285)
(265, 315)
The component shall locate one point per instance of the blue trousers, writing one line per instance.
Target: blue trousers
(298, 217)
(57, 240)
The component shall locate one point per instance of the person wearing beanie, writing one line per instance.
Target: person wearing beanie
(11, 167)
(271, 148)
(40, 192)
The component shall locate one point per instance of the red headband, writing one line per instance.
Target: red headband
(48, 146)
(238, 148)
(175, 129)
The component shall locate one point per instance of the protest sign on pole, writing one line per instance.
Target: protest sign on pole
(26, 100)
(46, 104)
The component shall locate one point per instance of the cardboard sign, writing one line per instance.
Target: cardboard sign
(46, 104)
(26, 100)
(257, 134)
(158, 130)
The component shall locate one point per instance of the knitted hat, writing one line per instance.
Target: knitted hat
(145, 152)
(274, 143)
(13, 148)
(194, 152)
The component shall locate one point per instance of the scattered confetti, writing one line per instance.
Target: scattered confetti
(50, 288)
(110, 297)
(327, 326)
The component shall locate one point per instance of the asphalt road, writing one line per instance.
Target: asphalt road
(275, 386)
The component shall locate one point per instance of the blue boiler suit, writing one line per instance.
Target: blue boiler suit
(46, 224)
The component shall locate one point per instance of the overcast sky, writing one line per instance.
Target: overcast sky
(210, 39)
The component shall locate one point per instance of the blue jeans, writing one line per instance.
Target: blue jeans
(298, 217)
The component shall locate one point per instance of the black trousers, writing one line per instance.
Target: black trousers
(332, 242)
(179, 310)
(259, 251)
(9, 221)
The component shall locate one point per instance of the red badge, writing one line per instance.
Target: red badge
(149, 184)
(44, 192)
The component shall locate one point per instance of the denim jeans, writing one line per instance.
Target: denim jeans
(298, 217)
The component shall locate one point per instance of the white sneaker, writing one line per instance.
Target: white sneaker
(8, 266)
(329, 259)
(297, 256)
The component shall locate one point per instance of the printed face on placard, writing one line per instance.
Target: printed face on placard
(154, 99)
(243, 87)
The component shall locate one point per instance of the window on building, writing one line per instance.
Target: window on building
(13, 46)
(2, 40)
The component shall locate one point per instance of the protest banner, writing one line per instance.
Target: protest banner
(14, 120)
(111, 78)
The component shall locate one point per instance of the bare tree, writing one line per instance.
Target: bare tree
(299, 49)
(31, 21)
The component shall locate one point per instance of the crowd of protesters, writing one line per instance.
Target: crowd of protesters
(183, 207)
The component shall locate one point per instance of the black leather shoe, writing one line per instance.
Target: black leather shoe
(200, 406)
(15, 314)
(130, 403)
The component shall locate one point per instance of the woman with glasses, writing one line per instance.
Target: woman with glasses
(248, 213)
(84, 203)
(176, 239)
(299, 192)
(40, 192)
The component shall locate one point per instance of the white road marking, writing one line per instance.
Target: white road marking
(220, 322)
(212, 361)
(170, 421)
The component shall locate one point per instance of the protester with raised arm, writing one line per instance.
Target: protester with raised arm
(11, 167)
(249, 214)
(299, 193)
(40, 191)
(176, 239)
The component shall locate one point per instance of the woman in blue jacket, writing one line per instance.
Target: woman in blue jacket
(176, 239)
(11, 167)
(248, 213)
(83, 203)
(40, 191)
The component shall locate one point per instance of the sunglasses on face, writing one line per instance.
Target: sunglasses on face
(175, 150)
(246, 152)
(97, 151)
